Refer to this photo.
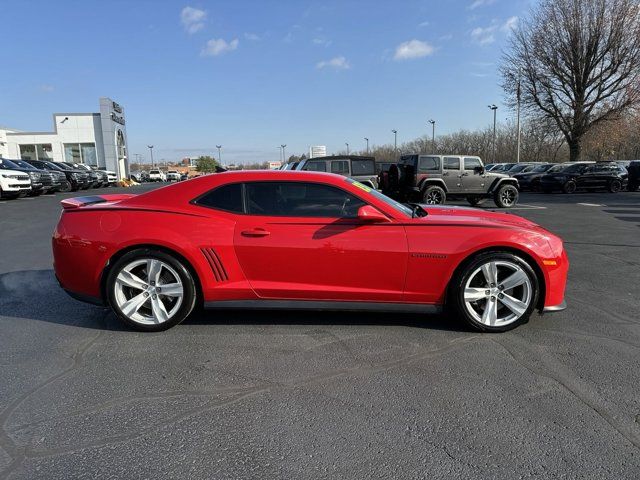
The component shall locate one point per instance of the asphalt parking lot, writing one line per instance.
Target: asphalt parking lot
(326, 395)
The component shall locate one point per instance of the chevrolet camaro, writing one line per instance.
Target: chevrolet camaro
(301, 240)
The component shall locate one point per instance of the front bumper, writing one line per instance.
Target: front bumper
(555, 308)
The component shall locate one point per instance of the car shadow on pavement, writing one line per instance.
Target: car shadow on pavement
(36, 295)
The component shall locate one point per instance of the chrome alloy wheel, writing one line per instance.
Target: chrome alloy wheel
(498, 293)
(433, 198)
(148, 291)
(508, 197)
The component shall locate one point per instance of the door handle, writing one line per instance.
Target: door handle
(255, 232)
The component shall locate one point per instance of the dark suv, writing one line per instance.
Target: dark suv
(361, 169)
(585, 176)
(50, 181)
(634, 176)
(63, 181)
(37, 177)
(76, 179)
(431, 179)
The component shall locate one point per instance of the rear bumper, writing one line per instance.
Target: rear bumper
(555, 308)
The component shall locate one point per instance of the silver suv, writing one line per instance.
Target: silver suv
(431, 179)
(361, 169)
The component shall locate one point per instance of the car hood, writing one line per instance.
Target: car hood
(474, 217)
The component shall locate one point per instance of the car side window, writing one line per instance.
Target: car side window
(470, 163)
(300, 199)
(340, 166)
(428, 163)
(315, 166)
(227, 198)
(451, 163)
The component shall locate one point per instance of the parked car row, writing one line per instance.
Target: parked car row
(157, 175)
(19, 178)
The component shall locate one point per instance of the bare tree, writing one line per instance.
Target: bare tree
(578, 61)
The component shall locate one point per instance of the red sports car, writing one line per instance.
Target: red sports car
(302, 240)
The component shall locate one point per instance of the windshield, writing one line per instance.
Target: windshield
(541, 168)
(577, 168)
(154, 171)
(392, 203)
(63, 166)
(8, 165)
(52, 165)
(23, 164)
(517, 168)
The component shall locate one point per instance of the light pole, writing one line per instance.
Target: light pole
(219, 147)
(433, 135)
(347, 147)
(284, 157)
(518, 119)
(151, 152)
(495, 109)
(367, 140)
(395, 139)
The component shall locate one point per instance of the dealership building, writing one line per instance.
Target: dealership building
(95, 139)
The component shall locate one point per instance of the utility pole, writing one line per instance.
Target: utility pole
(433, 135)
(347, 147)
(518, 118)
(367, 140)
(395, 139)
(495, 109)
(219, 147)
(151, 152)
(284, 157)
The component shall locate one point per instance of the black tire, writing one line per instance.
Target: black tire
(456, 302)
(569, 187)
(614, 186)
(506, 196)
(434, 195)
(66, 187)
(475, 200)
(189, 288)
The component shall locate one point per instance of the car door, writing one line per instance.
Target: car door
(452, 174)
(302, 240)
(473, 179)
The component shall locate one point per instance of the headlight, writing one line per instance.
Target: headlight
(34, 176)
(74, 175)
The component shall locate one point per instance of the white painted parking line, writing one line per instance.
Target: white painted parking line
(524, 206)
(592, 204)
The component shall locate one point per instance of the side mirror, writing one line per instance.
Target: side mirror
(371, 214)
(478, 170)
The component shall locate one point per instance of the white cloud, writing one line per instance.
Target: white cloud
(413, 49)
(446, 37)
(510, 24)
(192, 19)
(321, 41)
(480, 3)
(254, 37)
(337, 63)
(484, 36)
(423, 24)
(215, 47)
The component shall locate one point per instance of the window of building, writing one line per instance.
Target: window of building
(28, 152)
(470, 163)
(81, 153)
(340, 166)
(429, 163)
(298, 199)
(451, 163)
(44, 151)
(227, 197)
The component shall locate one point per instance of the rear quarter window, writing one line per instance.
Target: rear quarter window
(227, 198)
(363, 167)
(429, 163)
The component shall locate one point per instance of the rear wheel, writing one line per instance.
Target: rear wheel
(434, 195)
(150, 290)
(495, 292)
(506, 196)
(615, 186)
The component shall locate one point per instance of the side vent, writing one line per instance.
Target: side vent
(216, 264)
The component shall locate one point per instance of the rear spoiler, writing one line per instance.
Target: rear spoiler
(78, 202)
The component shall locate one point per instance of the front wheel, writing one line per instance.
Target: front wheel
(150, 290)
(569, 187)
(506, 196)
(434, 195)
(615, 186)
(495, 292)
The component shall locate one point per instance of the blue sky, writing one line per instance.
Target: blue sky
(251, 75)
